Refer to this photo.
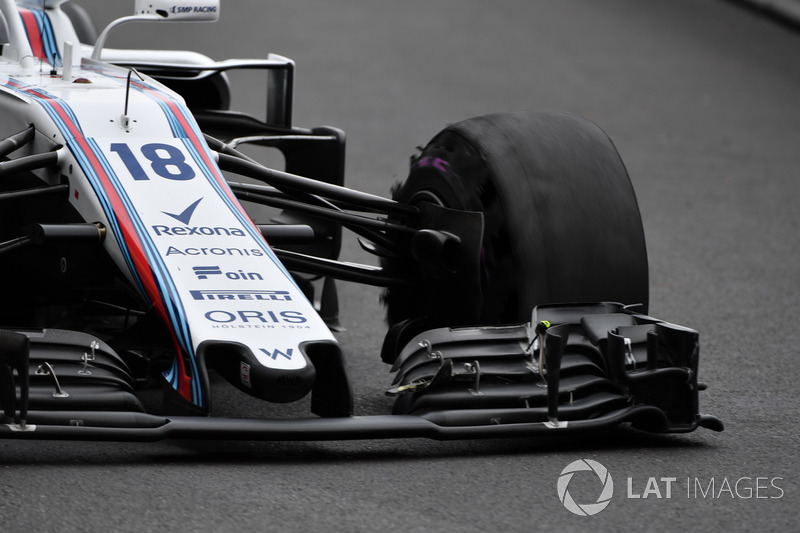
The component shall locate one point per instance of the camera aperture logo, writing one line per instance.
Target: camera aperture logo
(585, 509)
(663, 487)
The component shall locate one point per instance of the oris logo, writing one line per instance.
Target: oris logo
(255, 317)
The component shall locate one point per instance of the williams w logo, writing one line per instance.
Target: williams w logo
(275, 353)
(585, 509)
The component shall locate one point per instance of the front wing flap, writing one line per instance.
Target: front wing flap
(574, 368)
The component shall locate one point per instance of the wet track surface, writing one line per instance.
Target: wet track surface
(700, 98)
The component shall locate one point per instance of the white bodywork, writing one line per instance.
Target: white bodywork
(145, 173)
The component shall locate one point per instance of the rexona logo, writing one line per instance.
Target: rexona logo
(273, 296)
(185, 217)
(203, 272)
(585, 509)
(206, 231)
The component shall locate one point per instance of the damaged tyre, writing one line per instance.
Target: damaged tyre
(561, 220)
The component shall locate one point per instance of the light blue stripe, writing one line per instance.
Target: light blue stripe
(164, 282)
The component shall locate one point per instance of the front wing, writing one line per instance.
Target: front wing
(573, 368)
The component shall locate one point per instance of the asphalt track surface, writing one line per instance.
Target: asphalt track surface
(701, 99)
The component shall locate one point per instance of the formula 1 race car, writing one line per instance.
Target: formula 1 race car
(133, 257)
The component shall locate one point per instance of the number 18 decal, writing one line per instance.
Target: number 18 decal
(166, 161)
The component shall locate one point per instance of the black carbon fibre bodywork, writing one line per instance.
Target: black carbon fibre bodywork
(605, 365)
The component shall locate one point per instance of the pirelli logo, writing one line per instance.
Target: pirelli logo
(274, 296)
